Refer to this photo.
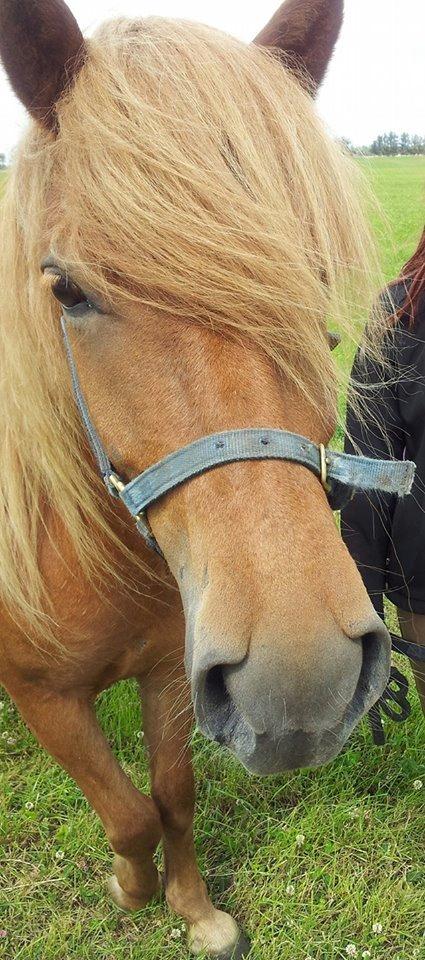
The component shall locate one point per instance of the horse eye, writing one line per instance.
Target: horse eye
(68, 294)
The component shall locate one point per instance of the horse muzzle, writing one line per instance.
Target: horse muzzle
(275, 712)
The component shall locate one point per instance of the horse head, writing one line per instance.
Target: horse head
(194, 220)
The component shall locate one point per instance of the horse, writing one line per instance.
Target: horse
(177, 199)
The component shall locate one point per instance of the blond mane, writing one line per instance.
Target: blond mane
(191, 173)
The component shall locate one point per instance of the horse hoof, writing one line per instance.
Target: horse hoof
(124, 900)
(219, 937)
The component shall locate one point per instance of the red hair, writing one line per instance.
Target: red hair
(413, 274)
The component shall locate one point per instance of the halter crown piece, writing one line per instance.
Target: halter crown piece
(341, 474)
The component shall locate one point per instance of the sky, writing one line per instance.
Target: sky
(375, 83)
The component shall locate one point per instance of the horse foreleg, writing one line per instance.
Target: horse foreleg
(167, 722)
(67, 727)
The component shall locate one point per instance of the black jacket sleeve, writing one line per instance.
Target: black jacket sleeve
(377, 431)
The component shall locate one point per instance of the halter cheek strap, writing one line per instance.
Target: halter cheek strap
(340, 473)
(98, 450)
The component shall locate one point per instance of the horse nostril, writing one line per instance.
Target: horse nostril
(375, 669)
(217, 706)
(375, 645)
(215, 688)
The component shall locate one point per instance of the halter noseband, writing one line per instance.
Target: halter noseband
(341, 474)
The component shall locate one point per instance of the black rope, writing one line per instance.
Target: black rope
(394, 702)
(415, 651)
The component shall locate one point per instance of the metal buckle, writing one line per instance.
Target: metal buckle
(116, 482)
(324, 463)
(141, 519)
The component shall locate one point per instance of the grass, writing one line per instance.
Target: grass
(362, 858)
(399, 184)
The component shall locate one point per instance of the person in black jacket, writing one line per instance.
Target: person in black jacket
(386, 536)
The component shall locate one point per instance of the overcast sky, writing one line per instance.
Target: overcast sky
(376, 81)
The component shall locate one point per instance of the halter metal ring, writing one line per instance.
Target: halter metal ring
(324, 463)
(116, 482)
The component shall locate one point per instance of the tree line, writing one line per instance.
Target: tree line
(3, 161)
(390, 145)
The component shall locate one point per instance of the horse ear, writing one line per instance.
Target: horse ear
(305, 32)
(42, 49)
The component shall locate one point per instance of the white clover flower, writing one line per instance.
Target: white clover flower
(351, 950)
(140, 735)
(11, 741)
(366, 954)
(175, 934)
(377, 928)
(29, 805)
(300, 839)
(417, 784)
(5, 734)
(59, 854)
(290, 890)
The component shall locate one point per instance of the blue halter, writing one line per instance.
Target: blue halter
(340, 473)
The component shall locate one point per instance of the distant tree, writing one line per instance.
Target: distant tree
(393, 144)
(378, 145)
(405, 143)
(417, 144)
(2, 161)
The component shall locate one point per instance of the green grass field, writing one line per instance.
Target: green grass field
(399, 184)
(308, 863)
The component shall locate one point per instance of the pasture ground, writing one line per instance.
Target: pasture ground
(308, 863)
